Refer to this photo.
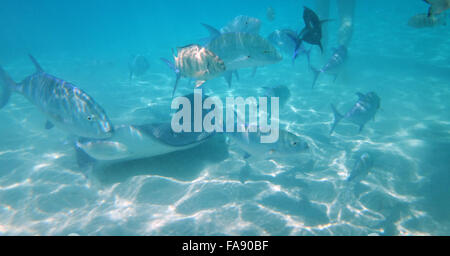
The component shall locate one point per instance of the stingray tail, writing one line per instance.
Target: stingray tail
(337, 118)
(6, 86)
(177, 72)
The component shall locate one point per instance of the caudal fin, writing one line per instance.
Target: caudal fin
(298, 42)
(317, 73)
(6, 85)
(337, 118)
(177, 72)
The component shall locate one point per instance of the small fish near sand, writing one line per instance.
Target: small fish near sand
(333, 65)
(437, 6)
(362, 112)
(424, 21)
(288, 144)
(195, 61)
(362, 167)
(64, 104)
(270, 14)
(138, 66)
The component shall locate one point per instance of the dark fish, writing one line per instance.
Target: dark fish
(312, 33)
(138, 66)
(425, 21)
(334, 63)
(362, 112)
(65, 105)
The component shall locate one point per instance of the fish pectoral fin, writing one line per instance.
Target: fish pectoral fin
(361, 127)
(49, 125)
(199, 83)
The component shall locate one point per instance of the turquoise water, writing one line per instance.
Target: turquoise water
(43, 191)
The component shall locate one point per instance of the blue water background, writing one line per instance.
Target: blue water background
(44, 192)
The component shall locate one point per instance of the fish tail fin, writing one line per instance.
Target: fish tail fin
(83, 159)
(308, 56)
(317, 73)
(36, 63)
(6, 86)
(337, 118)
(177, 72)
(298, 42)
(213, 32)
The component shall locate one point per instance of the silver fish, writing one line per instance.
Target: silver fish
(244, 24)
(361, 168)
(195, 61)
(288, 144)
(425, 21)
(334, 63)
(138, 66)
(242, 50)
(65, 105)
(362, 112)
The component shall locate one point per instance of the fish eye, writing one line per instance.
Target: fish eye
(90, 118)
(294, 143)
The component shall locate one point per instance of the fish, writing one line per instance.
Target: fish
(195, 61)
(241, 50)
(288, 144)
(361, 168)
(270, 14)
(242, 24)
(282, 92)
(362, 112)
(424, 21)
(286, 40)
(333, 65)
(131, 142)
(312, 33)
(437, 6)
(138, 66)
(64, 104)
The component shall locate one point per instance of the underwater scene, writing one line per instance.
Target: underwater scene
(356, 94)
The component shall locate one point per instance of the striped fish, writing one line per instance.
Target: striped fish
(65, 105)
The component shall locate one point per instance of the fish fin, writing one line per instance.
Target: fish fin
(213, 32)
(321, 47)
(360, 95)
(236, 73)
(6, 83)
(177, 72)
(254, 72)
(36, 64)
(49, 125)
(199, 83)
(83, 159)
(335, 78)
(326, 20)
(228, 75)
(361, 127)
(176, 83)
(316, 76)
(298, 43)
(337, 118)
